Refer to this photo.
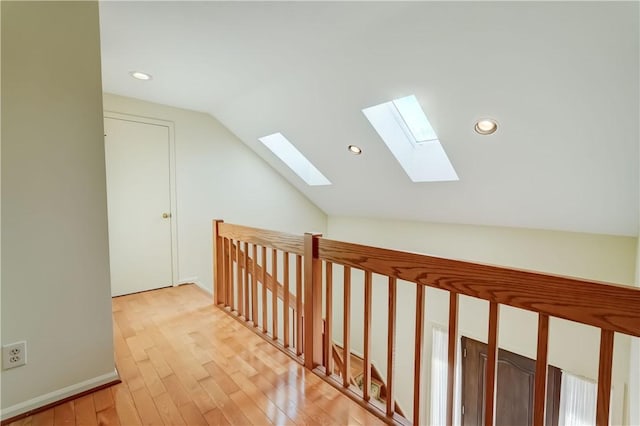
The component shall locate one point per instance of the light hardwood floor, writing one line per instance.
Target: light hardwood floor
(184, 362)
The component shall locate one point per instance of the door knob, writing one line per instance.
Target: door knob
(166, 215)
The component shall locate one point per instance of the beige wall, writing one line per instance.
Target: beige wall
(55, 275)
(217, 176)
(572, 347)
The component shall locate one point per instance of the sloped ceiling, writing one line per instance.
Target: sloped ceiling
(560, 78)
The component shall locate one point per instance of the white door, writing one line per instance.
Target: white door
(139, 205)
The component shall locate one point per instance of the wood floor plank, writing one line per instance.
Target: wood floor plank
(151, 378)
(168, 410)
(184, 361)
(108, 417)
(125, 407)
(146, 407)
(162, 368)
(64, 414)
(102, 399)
(44, 418)
(216, 418)
(85, 411)
(192, 415)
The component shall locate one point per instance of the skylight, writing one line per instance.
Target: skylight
(405, 129)
(293, 158)
(415, 119)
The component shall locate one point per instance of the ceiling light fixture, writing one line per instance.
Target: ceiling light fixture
(355, 150)
(486, 126)
(140, 75)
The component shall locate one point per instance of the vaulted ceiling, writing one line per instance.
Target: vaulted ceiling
(562, 79)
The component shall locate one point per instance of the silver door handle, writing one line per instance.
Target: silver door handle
(166, 215)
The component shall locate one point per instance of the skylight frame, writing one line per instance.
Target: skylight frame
(282, 148)
(422, 161)
(414, 119)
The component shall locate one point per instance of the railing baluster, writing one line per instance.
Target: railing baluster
(245, 266)
(346, 331)
(492, 366)
(223, 273)
(285, 299)
(264, 289)
(391, 346)
(328, 324)
(274, 294)
(254, 285)
(417, 366)
(230, 276)
(540, 387)
(604, 377)
(239, 281)
(299, 326)
(452, 354)
(217, 262)
(366, 381)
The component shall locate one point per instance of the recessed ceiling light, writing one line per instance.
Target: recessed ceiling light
(355, 150)
(486, 126)
(140, 75)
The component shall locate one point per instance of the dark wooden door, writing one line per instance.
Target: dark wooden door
(514, 400)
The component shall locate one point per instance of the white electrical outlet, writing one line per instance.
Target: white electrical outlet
(14, 355)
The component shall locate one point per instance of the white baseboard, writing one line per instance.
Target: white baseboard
(196, 281)
(58, 395)
(208, 290)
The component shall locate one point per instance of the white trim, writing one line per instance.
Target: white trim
(208, 290)
(58, 395)
(172, 180)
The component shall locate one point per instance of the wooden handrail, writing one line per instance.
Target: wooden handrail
(271, 239)
(610, 307)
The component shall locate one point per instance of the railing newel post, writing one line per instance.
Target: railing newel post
(312, 301)
(217, 261)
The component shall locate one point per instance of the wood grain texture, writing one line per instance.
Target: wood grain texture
(391, 345)
(604, 377)
(245, 281)
(368, 308)
(492, 365)
(264, 288)
(274, 295)
(452, 353)
(312, 303)
(265, 238)
(220, 372)
(328, 329)
(417, 358)
(346, 327)
(608, 306)
(217, 262)
(298, 304)
(286, 300)
(254, 284)
(230, 277)
(540, 385)
(239, 281)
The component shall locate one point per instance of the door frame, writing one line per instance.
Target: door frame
(172, 180)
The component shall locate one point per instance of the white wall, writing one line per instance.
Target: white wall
(572, 347)
(634, 365)
(55, 275)
(217, 176)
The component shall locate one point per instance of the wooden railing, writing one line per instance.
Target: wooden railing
(611, 308)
